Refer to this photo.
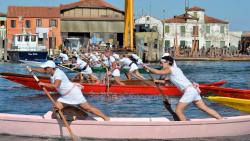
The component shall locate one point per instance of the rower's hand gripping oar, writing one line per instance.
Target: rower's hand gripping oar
(54, 103)
(166, 103)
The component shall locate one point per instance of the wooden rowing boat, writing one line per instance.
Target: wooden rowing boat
(123, 128)
(229, 92)
(132, 87)
(236, 103)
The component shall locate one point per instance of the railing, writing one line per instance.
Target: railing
(39, 48)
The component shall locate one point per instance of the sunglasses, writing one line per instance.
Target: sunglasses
(45, 68)
(162, 62)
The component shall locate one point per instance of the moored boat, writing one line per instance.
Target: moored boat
(132, 87)
(236, 103)
(229, 92)
(25, 47)
(124, 128)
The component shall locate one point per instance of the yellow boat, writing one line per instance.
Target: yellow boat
(236, 103)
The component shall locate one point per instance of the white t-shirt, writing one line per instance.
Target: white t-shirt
(116, 73)
(178, 78)
(76, 55)
(64, 56)
(94, 58)
(125, 61)
(70, 92)
(109, 61)
(81, 63)
(66, 84)
(137, 58)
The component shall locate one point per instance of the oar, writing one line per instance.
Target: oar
(165, 99)
(67, 68)
(54, 103)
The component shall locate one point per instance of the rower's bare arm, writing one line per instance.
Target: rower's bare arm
(40, 70)
(51, 85)
(156, 71)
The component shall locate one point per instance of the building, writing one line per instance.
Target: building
(235, 39)
(2, 26)
(44, 21)
(149, 24)
(195, 29)
(148, 35)
(245, 43)
(92, 19)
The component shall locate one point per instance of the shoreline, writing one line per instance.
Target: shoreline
(212, 59)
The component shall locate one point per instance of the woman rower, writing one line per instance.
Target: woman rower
(190, 92)
(71, 93)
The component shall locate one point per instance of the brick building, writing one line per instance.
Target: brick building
(44, 21)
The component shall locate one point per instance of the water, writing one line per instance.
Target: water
(17, 99)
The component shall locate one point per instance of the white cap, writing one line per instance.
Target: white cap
(116, 56)
(166, 54)
(49, 63)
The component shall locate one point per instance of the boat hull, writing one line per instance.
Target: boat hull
(230, 92)
(29, 81)
(28, 55)
(236, 103)
(124, 128)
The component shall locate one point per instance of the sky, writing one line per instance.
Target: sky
(234, 11)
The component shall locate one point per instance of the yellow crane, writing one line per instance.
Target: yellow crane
(129, 25)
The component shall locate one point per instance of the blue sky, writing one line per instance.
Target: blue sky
(234, 11)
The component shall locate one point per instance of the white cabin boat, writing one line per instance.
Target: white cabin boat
(25, 47)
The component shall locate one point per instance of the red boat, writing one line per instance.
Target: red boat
(132, 87)
(229, 92)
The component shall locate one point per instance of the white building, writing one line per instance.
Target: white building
(235, 38)
(148, 22)
(184, 28)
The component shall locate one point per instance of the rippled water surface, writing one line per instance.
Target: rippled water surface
(15, 98)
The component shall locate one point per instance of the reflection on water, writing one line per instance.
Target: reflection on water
(15, 98)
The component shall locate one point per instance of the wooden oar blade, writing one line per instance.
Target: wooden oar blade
(167, 105)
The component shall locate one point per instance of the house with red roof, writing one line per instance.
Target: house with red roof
(44, 21)
(195, 28)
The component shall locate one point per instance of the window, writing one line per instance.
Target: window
(195, 30)
(53, 23)
(148, 18)
(183, 30)
(167, 43)
(19, 38)
(208, 29)
(2, 23)
(39, 23)
(27, 23)
(182, 43)
(222, 29)
(195, 14)
(26, 38)
(13, 23)
(222, 43)
(167, 29)
(33, 38)
(40, 41)
(208, 44)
